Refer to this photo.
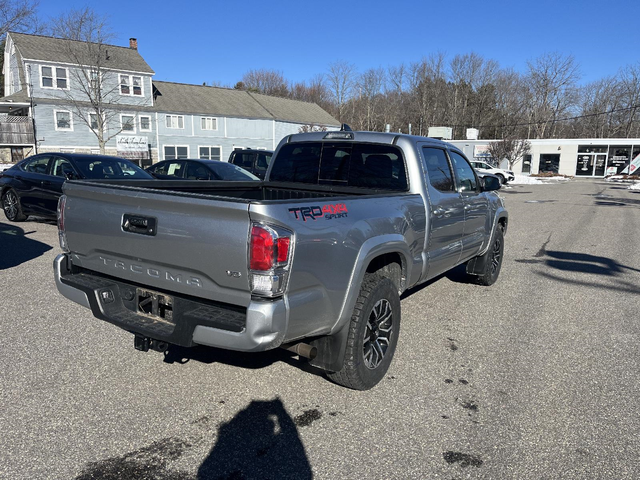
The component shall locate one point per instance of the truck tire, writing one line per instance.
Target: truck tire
(373, 334)
(11, 206)
(493, 262)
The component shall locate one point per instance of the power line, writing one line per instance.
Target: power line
(615, 110)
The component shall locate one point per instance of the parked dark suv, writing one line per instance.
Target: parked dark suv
(255, 161)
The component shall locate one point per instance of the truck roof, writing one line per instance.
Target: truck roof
(367, 137)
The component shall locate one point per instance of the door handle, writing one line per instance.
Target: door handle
(46, 183)
(438, 212)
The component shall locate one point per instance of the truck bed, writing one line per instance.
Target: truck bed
(243, 191)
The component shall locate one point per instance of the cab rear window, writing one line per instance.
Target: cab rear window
(362, 165)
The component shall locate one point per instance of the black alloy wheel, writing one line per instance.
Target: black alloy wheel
(11, 206)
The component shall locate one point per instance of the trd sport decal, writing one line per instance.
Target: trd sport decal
(329, 211)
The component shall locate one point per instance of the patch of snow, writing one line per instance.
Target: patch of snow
(4, 166)
(527, 180)
(635, 186)
(524, 180)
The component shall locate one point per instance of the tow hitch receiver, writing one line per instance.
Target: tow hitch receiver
(145, 343)
(155, 304)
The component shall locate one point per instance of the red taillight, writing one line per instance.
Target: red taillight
(283, 249)
(269, 248)
(261, 249)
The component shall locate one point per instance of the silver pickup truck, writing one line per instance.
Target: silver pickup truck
(314, 259)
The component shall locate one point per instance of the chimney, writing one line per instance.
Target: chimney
(133, 43)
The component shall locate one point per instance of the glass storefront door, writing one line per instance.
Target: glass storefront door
(600, 163)
(549, 162)
(585, 165)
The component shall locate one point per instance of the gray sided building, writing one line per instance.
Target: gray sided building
(52, 87)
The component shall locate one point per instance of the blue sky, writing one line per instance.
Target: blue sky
(216, 41)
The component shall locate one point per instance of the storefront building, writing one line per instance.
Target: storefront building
(582, 157)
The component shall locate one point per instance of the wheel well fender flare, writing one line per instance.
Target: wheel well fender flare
(370, 250)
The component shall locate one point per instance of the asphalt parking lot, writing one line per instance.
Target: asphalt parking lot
(535, 377)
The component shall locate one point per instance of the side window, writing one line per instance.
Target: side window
(170, 168)
(244, 160)
(262, 162)
(195, 171)
(61, 167)
(466, 180)
(37, 165)
(438, 169)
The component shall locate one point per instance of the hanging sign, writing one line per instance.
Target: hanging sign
(481, 151)
(132, 146)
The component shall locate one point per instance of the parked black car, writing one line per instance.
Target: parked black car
(191, 169)
(33, 186)
(254, 161)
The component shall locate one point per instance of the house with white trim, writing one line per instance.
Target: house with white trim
(49, 89)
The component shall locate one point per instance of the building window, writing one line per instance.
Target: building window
(95, 80)
(127, 123)
(48, 78)
(209, 123)
(64, 120)
(172, 152)
(137, 85)
(93, 121)
(210, 153)
(145, 123)
(124, 85)
(175, 121)
(131, 85)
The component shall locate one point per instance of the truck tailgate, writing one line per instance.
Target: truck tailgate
(177, 255)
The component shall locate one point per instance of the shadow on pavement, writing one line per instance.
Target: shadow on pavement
(252, 361)
(586, 264)
(261, 441)
(16, 248)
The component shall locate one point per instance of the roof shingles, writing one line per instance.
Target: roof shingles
(50, 49)
(176, 97)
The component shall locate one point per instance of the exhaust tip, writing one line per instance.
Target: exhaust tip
(302, 349)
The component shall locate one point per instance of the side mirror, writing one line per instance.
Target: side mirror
(490, 183)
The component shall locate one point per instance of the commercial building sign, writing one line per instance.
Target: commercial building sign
(132, 147)
(481, 151)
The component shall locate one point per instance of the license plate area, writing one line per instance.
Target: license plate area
(154, 304)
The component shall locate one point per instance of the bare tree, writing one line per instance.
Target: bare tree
(370, 87)
(269, 82)
(428, 83)
(340, 82)
(18, 15)
(94, 97)
(551, 80)
(630, 93)
(510, 149)
(312, 128)
(314, 91)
